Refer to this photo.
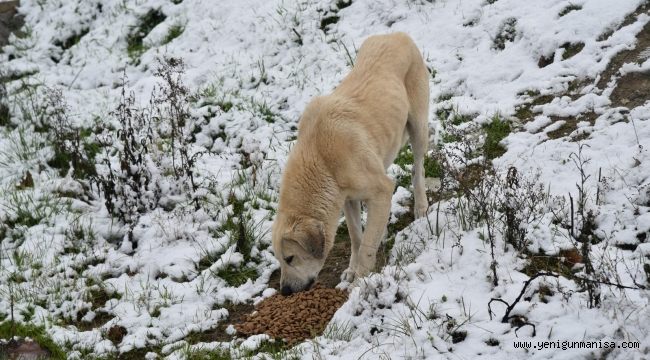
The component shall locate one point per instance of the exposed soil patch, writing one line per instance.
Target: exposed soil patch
(10, 21)
(631, 89)
(23, 350)
(570, 125)
(116, 333)
(642, 9)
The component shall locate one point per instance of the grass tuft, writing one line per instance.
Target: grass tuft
(569, 8)
(571, 50)
(507, 33)
(72, 40)
(496, 130)
(135, 47)
(236, 276)
(174, 32)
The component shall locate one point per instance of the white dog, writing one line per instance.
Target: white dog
(346, 141)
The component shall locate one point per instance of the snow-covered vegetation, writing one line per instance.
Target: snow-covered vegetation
(142, 142)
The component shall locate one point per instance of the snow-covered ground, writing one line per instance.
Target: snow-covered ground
(253, 65)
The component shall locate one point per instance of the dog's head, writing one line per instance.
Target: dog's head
(299, 246)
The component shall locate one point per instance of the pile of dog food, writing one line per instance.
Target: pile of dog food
(296, 317)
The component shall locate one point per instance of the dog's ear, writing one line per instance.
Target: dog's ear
(315, 239)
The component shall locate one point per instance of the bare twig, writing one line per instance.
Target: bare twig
(509, 308)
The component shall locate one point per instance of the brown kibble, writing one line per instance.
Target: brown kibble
(295, 317)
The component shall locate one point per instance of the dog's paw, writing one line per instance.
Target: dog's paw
(348, 275)
(420, 212)
(361, 272)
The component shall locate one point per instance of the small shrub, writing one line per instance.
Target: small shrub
(172, 107)
(128, 187)
(154, 148)
(71, 147)
(520, 202)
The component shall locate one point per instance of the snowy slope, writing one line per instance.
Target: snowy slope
(270, 58)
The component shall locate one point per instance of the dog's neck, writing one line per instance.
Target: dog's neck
(309, 190)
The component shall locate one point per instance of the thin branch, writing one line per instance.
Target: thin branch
(509, 308)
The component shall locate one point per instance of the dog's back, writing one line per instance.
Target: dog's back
(371, 107)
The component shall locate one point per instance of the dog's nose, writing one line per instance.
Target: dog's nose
(311, 282)
(286, 290)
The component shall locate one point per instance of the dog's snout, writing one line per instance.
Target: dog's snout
(286, 290)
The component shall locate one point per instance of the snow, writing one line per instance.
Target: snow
(259, 54)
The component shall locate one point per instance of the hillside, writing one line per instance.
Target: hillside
(142, 142)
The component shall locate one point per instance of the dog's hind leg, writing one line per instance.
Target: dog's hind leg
(378, 199)
(352, 211)
(418, 130)
(419, 140)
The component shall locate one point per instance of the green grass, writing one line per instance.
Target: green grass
(22, 148)
(206, 354)
(99, 295)
(83, 157)
(24, 209)
(209, 95)
(235, 276)
(174, 32)
(432, 167)
(327, 21)
(72, 40)
(569, 8)
(507, 34)
(5, 116)
(549, 263)
(278, 350)
(458, 118)
(264, 110)
(38, 334)
(571, 50)
(524, 112)
(404, 158)
(135, 47)
(496, 130)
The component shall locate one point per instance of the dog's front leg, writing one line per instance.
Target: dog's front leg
(352, 211)
(378, 212)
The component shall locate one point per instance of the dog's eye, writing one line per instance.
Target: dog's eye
(288, 259)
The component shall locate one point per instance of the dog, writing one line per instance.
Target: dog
(346, 141)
